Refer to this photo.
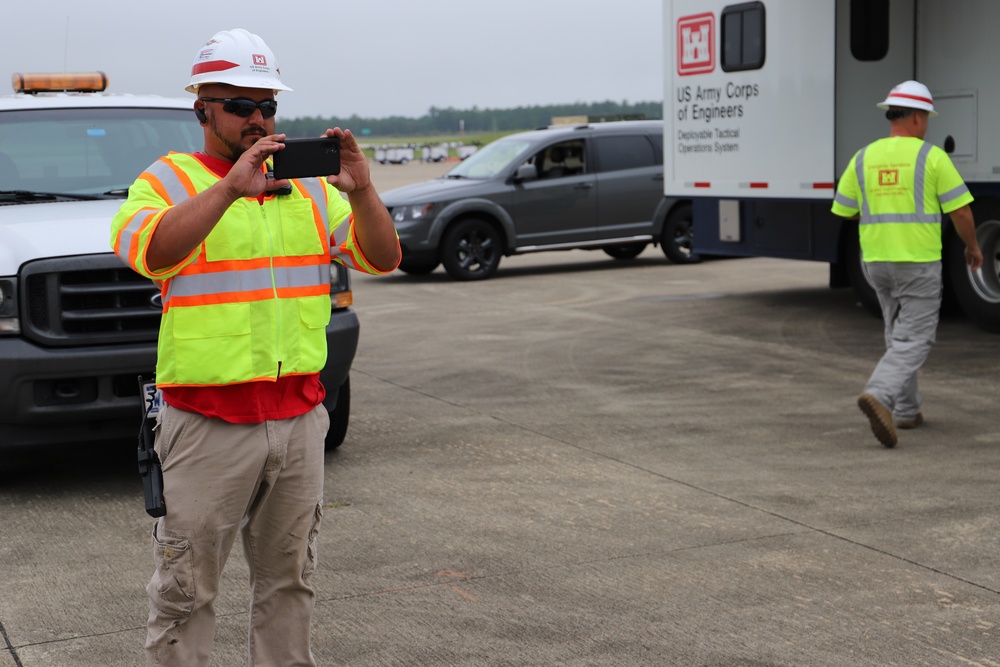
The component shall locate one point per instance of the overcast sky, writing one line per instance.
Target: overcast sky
(373, 58)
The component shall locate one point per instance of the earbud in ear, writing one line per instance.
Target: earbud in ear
(200, 113)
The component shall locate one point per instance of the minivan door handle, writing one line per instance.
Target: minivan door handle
(583, 186)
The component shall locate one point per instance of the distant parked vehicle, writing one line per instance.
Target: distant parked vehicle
(437, 153)
(393, 154)
(597, 186)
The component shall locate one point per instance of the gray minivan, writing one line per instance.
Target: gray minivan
(592, 186)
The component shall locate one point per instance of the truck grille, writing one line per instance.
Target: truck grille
(87, 300)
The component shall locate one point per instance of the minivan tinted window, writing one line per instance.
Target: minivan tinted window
(625, 152)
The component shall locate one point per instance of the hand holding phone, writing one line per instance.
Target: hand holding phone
(302, 158)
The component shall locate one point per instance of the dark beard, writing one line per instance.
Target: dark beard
(237, 149)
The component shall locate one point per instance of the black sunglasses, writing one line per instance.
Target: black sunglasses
(243, 107)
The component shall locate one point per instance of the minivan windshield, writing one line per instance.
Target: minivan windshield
(88, 151)
(491, 160)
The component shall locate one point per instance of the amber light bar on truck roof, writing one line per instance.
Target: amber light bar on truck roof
(76, 82)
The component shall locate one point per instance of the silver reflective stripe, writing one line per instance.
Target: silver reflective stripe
(954, 193)
(919, 176)
(844, 200)
(171, 183)
(202, 284)
(132, 228)
(859, 170)
(175, 191)
(316, 189)
(341, 233)
(919, 216)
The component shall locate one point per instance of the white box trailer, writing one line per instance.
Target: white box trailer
(766, 102)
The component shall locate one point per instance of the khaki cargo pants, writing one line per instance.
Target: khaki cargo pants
(263, 481)
(910, 296)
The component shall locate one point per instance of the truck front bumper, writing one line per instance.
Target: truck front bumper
(87, 394)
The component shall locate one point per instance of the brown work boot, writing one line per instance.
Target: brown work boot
(910, 423)
(880, 418)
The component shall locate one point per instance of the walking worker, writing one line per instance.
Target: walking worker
(245, 278)
(899, 185)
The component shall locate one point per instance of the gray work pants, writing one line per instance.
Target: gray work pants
(910, 296)
(263, 481)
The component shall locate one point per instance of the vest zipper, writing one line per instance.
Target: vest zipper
(274, 290)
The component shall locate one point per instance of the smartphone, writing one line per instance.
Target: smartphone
(301, 158)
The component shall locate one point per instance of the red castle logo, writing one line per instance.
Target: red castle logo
(695, 41)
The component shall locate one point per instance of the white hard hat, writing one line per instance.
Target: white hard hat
(238, 58)
(912, 95)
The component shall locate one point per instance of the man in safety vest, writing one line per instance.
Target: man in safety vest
(900, 185)
(245, 279)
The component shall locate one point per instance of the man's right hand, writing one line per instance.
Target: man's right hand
(246, 179)
(974, 258)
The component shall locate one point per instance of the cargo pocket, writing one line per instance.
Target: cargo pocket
(171, 589)
(311, 548)
(314, 315)
(212, 345)
(300, 231)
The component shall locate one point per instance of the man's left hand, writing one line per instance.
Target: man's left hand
(354, 172)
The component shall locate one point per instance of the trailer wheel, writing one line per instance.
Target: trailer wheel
(677, 238)
(857, 273)
(978, 293)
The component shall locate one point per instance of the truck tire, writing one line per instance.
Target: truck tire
(677, 239)
(978, 293)
(857, 273)
(471, 249)
(339, 417)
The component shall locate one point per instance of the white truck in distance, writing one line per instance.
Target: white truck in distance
(766, 102)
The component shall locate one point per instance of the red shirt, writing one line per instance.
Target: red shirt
(248, 402)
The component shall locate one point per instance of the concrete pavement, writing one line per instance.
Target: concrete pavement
(585, 462)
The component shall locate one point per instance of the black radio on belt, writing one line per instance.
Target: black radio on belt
(149, 462)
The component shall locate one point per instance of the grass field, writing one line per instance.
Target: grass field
(369, 143)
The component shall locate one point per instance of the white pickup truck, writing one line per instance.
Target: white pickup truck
(77, 326)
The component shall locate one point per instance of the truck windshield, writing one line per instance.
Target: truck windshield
(88, 150)
(491, 160)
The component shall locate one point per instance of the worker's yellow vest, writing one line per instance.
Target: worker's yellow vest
(253, 300)
(900, 185)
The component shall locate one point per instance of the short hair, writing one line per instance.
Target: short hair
(895, 113)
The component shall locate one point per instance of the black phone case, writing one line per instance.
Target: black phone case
(302, 158)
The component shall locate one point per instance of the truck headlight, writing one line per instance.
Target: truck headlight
(414, 212)
(341, 295)
(9, 323)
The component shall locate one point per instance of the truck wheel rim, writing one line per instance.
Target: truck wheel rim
(986, 281)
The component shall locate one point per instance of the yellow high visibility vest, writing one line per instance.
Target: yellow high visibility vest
(900, 186)
(253, 299)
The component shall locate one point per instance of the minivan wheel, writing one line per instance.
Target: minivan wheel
(471, 250)
(625, 251)
(677, 238)
(418, 267)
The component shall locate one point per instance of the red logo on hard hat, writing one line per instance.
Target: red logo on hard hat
(259, 59)
(695, 44)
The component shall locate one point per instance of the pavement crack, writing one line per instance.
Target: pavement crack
(10, 648)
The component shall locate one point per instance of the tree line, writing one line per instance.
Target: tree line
(450, 121)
